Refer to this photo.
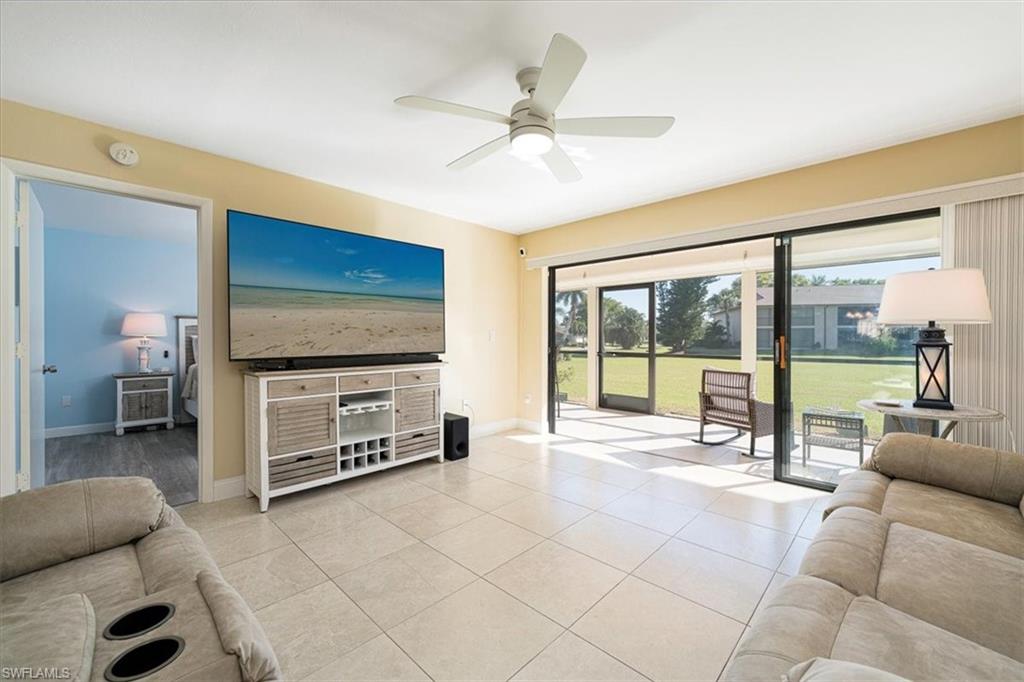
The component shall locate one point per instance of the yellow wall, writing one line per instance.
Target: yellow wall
(488, 287)
(976, 153)
(480, 265)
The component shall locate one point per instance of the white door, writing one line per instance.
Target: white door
(31, 341)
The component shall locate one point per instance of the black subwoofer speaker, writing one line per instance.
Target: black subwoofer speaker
(456, 436)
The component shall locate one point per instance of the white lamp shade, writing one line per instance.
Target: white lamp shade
(953, 295)
(144, 324)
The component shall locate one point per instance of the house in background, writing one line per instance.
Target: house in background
(829, 317)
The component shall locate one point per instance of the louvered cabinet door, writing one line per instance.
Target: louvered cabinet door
(133, 407)
(301, 424)
(156, 404)
(416, 407)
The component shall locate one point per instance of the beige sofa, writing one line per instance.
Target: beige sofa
(75, 556)
(917, 571)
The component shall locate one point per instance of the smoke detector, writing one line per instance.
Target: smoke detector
(124, 154)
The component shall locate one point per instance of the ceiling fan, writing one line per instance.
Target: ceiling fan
(532, 124)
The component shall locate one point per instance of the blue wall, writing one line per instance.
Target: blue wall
(92, 280)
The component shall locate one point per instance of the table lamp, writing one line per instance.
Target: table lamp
(952, 295)
(144, 325)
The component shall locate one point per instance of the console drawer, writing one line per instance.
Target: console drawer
(364, 382)
(413, 377)
(286, 471)
(293, 388)
(144, 385)
(417, 442)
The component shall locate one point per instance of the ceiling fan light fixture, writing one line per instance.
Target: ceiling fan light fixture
(531, 122)
(532, 143)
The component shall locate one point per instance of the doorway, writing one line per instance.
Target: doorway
(90, 259)
(626, 357)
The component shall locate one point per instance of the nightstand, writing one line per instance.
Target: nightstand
(143, 399)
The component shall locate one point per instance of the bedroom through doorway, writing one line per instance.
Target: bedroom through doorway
(114, 338)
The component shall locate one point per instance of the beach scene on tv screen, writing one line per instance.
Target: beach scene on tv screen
(302, 291)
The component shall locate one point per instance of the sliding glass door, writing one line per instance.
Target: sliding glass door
(626, 353)
(832, 358)
(797, 311)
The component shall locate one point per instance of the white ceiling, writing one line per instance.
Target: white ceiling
(71, 208)
(307, 88)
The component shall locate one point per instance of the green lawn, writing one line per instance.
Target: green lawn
(819, 384)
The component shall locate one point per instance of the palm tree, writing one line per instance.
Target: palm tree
(574, 300)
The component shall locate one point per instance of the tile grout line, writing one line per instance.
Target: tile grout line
(384, 631)
(357, 604)
(542, 537)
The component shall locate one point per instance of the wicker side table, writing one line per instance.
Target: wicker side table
(846, 431)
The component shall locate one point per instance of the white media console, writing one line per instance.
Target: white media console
(314, 427)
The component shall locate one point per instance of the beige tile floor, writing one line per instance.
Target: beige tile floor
(539, 558)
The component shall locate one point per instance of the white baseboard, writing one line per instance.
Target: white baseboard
(531, 426)
(78, 430)
(226, 488)
(490, 428)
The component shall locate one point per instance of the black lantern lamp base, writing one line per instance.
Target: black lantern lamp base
(933, 379)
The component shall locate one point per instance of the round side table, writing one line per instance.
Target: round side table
(960, 413)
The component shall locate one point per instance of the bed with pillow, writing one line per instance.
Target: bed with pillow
(188, 364)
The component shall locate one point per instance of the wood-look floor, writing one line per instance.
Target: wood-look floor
(170, 458)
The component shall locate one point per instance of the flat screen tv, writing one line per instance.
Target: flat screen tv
(299, 292)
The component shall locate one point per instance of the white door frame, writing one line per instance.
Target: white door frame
(12, 170)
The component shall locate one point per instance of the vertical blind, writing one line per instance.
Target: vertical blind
(988, 360)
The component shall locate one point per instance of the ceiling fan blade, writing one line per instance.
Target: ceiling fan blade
(481, 152)
(562, 64)
(417, 102)
(616, 126)
(561, 166)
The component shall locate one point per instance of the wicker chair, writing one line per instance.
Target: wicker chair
(726, 399)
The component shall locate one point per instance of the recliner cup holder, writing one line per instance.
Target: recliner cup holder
(144, 659)
(139, 621)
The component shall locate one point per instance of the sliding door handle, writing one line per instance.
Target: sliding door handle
(780, 352)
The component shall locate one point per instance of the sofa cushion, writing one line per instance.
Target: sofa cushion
(878, 635)
(172, 555)
(972, 519)
(831, 670)
(801, 622)
(847, 550)
(109, 577)
(968, 590)
(969, 469)
(50, 525)
(58, 635)
(240, 633)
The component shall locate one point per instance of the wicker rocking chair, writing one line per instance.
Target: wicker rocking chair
(726, 398)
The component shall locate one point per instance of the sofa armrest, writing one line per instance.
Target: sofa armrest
(863, 489)
(969, 469)
(50, 525)
(800, 621)
(240, 632)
